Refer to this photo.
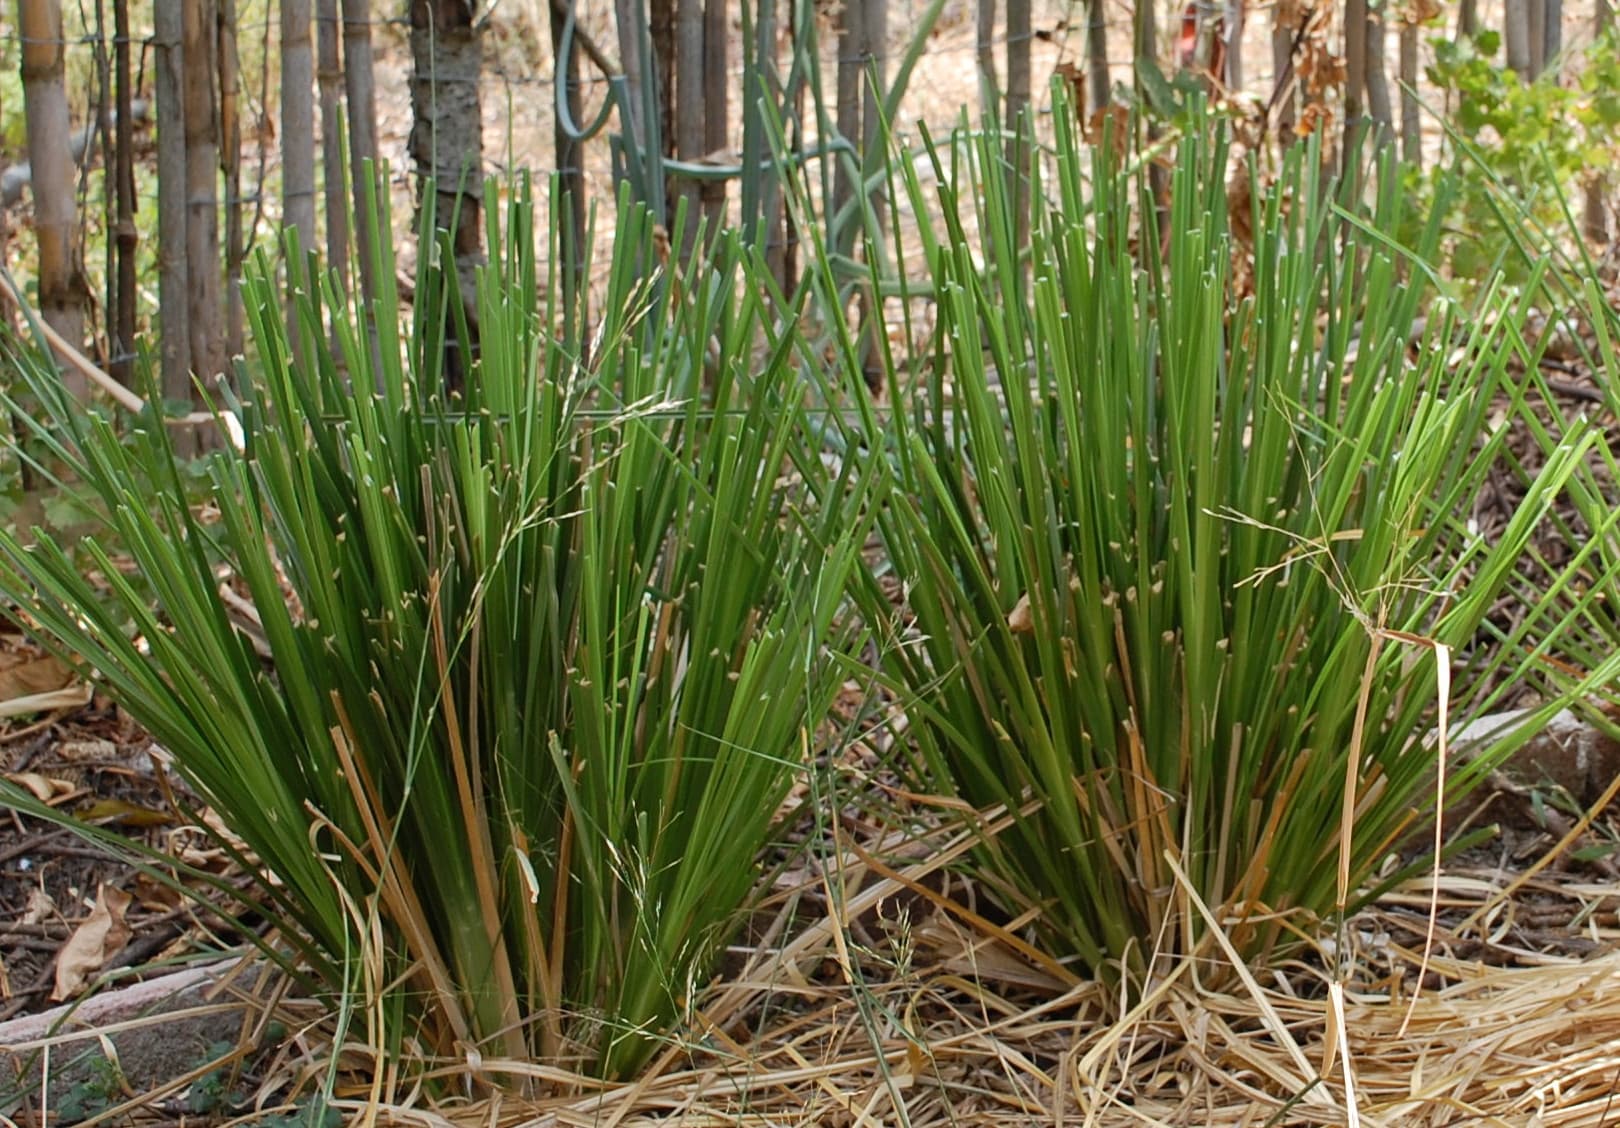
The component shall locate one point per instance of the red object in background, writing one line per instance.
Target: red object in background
(1212, 24)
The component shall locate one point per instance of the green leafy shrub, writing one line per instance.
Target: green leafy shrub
(1174, 555)
(1534, 141)
(542, 658)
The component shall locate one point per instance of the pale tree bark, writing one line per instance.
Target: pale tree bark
(1552, 34)
(1235, 14)
(1411, 109)
(230, 160)
(1594, 217)
(874, 77)
(1376, 82)
(361, 90)
(1516, 37)
(126, 239)
(1536, 17)
(174, 348)
(329, 81)
(63, 294)
(103, 129)
(851, 51)
(716, 95)
(205, 310)
(631, 19)
(447, 142)
(689, 112)
(297, 123)
(985, 44)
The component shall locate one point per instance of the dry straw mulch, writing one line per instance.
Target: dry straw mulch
(904, 1007)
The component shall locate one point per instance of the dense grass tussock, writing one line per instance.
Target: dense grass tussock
(552, 656)
(1179, 556)
(530, 668)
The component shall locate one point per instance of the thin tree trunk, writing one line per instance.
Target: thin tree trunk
(174, 349)
(361, 91)
(126, 239)
(329, 79)
(1467, 19)
(571, 173)
(447, 141)
(109, 191)
(63, 294)
(985, 42)
(1286, 83)
(1516, 37)
(297, 123)
(1376, 82)
(874, 74)
(1145, 46)
(1594, 218)
(1235, 13)
(1552, 35)
(1536, 17)
(661, 16)
(1019, 66)
(689, 111)
(1411, 109)
(716, 116)
(205, 309)
(1019, 83)
(851, 51)
(760, 203)
(803, 39)
(874, 81)
(630, 17)
(1355, 71)
(230, 153)
(1096, 56)
(1144, 36)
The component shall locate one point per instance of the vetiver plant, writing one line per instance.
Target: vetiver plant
(541, 659)
(1176, 557)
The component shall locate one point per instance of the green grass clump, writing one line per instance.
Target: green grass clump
(553, 652)
(1177, 555)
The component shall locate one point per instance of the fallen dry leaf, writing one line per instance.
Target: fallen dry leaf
(25, 677)
(37, 685)
(1019, 620)
(93, 751)
(68, 697)
(40, 907)
(102, 935)
(42, 787)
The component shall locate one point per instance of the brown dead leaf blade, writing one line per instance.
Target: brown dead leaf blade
(101, 936)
